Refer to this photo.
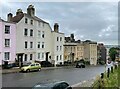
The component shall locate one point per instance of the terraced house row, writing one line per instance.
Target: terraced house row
(78, 50)
(27, 38)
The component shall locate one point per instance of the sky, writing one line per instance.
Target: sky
(96, 21)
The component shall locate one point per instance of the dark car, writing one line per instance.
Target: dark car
(80, 65)
(53, 85)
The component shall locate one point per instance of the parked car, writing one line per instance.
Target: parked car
(80, 65)
(53, 85)
(8, 66)
(31, 67)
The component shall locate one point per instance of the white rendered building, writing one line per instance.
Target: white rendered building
(35, 39)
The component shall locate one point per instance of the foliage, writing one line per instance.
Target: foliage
(111, 82)
(113, 53)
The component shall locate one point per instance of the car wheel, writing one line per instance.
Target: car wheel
(28, 70)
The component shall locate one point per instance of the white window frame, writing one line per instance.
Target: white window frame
(31, 56)
(25, 57)
(31, 45)
(43, 45)
(26, 44)
(7, 42)
(42, 56)
(39, 45)
(26, 19)
(39, 33)
(25, 30)
(31, 35)
(39, 55)
(7, 29)
(43, 34)
(7, 55)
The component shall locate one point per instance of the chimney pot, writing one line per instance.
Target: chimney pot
(31, 10)
(9, 17)
(19, 11)
(56, 27)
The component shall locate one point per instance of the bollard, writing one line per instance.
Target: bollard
(111, 69)
(102, 75)
(108, 72)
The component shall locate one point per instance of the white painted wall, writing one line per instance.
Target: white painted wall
(50, 40)
(55, 44)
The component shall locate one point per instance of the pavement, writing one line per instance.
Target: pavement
(85, 83)
(17, 69)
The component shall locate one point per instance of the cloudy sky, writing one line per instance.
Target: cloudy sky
(95, 21)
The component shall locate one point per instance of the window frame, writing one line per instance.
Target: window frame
(31, 44)
(7, 56)
(39, 55)
(25, 32)
(26, 45)
(31, 56)
(57, 58)
(42, 56)
(31, 22)
(57, 38)
(60, 38)
(38, 46)
(7, 29)
(26, 20)
(31, 32)
(43, 34)
(25, 57)
(57, 48)
(7, 42)
(43, 44)
(39, 33)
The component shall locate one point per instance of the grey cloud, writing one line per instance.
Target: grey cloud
(85, 19)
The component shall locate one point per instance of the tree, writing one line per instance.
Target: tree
(113, 53)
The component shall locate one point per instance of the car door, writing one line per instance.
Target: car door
(32, 67)
(37, 66)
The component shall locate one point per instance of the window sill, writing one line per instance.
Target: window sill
(7, 46)
(31, 48)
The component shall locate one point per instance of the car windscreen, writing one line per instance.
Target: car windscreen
(27, 64)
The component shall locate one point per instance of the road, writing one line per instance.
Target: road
(70, 75)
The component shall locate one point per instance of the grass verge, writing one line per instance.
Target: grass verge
(112, 82)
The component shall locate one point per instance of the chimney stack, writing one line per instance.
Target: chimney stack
(56, 27)
(9, 17)
(31, 10)
(19, 11)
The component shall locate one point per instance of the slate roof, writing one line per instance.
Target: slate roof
(21, 15)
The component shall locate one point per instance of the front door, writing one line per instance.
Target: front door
(20, 59)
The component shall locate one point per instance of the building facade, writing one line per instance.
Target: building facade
(70, 51)
(102, 52)
(35, 39)
(77, 50)
(7, 42)
(80, 51)
(57, 45)
(90, 52)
